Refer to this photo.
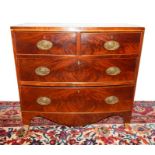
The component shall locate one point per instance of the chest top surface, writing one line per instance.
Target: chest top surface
(76, 27)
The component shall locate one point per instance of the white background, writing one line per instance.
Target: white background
(138, 12)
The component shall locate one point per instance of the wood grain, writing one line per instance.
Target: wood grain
(93, 43)
(73, 119)
(77, 83)
(77, 69)
(63, 43)
(35, 28)
(76, 99)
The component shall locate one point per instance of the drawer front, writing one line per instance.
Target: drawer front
(77, 69)
(48, 69)
(76, 99)
(110, 43)
(45, 43)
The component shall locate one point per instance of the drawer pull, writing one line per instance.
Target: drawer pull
(43, 100)
(42, 71)
(113, 70)
(44, 45)
(78, 62)
(111, 45)
(111, 100)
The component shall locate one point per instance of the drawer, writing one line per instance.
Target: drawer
(77, 99)
(77, 69)
(45, 43)
(110, 43)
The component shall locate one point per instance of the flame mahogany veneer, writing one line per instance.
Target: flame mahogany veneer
(76, 75)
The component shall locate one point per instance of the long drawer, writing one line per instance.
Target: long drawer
(77, 99)
(76, 69)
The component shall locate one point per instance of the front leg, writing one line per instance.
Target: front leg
(22, 132)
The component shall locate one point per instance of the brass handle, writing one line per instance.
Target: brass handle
(43, 100)
(113, 70)
(78, 62)
(42, 71)
(111, 100)
(111, 45)
(44, 45)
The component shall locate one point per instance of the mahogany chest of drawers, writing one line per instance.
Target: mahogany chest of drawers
(76, 75)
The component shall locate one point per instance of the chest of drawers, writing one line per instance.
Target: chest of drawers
(76, 75)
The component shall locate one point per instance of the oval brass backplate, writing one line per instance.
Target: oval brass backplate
(44, 45)
(43, 100)
(111, 45)
(111, 100)
(113, 70)
(42, 71)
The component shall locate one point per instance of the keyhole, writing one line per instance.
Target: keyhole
(78, 91)
(111, 37)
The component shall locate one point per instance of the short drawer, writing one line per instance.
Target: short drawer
(77, 69)
(77, 99)
(45, 43)
(110, 43)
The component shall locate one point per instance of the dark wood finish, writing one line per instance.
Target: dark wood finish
(138, 59)
(126, 28)
(63, 43)
(77, 69)
(75, 84)
(93, 69)
(93, 43)
(74, 119)
(76, 99)
(63, 69)
(78, 60)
